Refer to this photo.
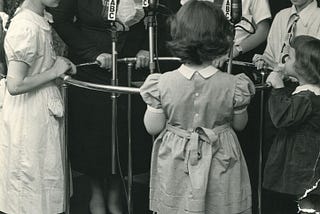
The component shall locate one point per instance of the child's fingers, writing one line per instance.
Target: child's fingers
(72, 70)
(260, 64)
(256, 58)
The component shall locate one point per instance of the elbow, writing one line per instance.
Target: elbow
(240, 121)
(154, 122)
(153, 131)
(13, 91)
(153, 128)
(239, 127)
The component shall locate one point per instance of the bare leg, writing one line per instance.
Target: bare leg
(96, 204)
(114, 195)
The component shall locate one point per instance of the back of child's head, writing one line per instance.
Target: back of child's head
(200, 32)
(307, 64)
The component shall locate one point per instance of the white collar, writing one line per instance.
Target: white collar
(188, 72)
(308, 87)
(41, 21)
(305, 14)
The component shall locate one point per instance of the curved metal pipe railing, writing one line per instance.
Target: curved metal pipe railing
(100, 87)
(68, 80)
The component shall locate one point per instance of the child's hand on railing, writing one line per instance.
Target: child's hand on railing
(63, 66)
(262, 62)
(275, 79)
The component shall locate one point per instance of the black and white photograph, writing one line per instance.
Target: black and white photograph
(159, 106)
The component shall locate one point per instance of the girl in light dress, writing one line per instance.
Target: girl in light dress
(197, 164)
(31, 167)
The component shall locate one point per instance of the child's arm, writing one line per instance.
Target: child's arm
(18, 82)
(288, 110)
(240, 121)
(285, 109)
(154, 121)
(254, 40)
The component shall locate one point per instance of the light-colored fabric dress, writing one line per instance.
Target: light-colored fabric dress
(197, 164)
(31, 167)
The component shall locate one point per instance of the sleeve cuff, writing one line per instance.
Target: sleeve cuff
(155, 110)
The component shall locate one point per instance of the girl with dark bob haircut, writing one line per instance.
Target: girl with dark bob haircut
(307, 63)
(197, 165)
(200, 32)
(294, 166)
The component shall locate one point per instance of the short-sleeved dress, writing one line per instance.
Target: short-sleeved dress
(293, 164)
(31, 167)
(197, 164)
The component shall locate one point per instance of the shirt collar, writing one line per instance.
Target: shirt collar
(188, 72)
(308, 87)
(306, 14)
(41, 21)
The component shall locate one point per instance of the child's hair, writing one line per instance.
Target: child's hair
(307, 65)
(200, 32)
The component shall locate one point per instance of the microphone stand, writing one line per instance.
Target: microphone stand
(151, 23)
(114, 82)
(229, 68)
(261, 138)
(235, 18)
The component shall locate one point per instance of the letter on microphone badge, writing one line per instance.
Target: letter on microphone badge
(145, 3)
(112, 10)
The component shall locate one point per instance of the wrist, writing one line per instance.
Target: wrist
(52, 73)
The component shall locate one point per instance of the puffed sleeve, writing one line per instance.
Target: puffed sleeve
(150, 93)
(21, 43)
(244, 90)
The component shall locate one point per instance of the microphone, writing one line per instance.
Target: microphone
(145, 3)
(150, 5)
(112, 10)
(236, 11)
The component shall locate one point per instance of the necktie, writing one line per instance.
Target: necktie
(292, 29)
(290, 36)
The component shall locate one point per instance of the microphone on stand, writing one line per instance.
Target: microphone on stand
(236, 15)
(145, 3)
(112, 10)
(150, 5)
(109, 13)
(236, 11)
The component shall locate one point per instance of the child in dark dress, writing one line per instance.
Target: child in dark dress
(293, 163)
